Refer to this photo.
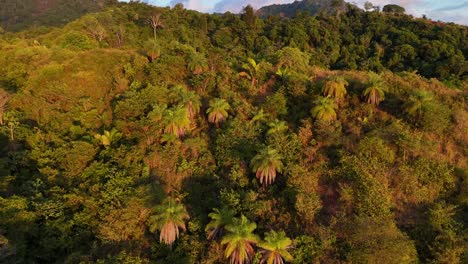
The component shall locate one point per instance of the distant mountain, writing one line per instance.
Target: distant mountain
(19, 14)
(312, 7)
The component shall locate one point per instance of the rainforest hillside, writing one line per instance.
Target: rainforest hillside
(140, 134)
(20, 14)
(311, 7)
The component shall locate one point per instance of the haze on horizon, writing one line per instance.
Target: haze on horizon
(446, 10)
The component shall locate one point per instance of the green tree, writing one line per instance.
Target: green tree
(374, 93)
(251, 71)
(446, 244)
(275, 248)
(335, 87)
(197, 63)
(155, 22)
(109, 137)
(324, 109)
(176, 121)
(189, 99)
(416, 103)
(4, 97)
(266, 164)
(168, 218)
(374, 240)
(394, 9)
(219, 220)
(284, 74)
(249, 16)
(277, 127)
(240, 241)
(259, 117)
(217, 112)
(152, 49)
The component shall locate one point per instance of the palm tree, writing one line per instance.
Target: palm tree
(109, 137)
(156, 22)
(335, 87)
(275, 248)
(189, 99)
(217, 112)
(176, 121)
(374, 93)
(192, 103)
(240, 241)
(219, 220)
(197, 63)
(251, 69)
(168, 218)
(266, 164)
(284, 74)
(416, 103)
(152, 49)
(324, 109)
(277, 127)
(260, 116)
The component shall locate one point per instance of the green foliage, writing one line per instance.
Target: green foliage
(176, 121)
(266, 164)
(109, 137)
(335, 87)
(394, 9)
(76, 40)
(103, 118)
(220, 218)
(275, 248)
(392, 246)
(324, 109)
(240, 241)
(217, 112)
(168, 218)
(375, 91)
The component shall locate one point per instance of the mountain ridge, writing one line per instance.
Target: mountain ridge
(311, 7)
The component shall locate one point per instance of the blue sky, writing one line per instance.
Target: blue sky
(445, 10)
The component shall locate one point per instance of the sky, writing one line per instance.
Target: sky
(445, 10)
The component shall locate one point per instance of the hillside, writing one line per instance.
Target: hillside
(139, 134)
(19, 14)
(311, 7)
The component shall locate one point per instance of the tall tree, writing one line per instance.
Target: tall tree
(324, 109)
(168, 218)
(249, 16)
(155, 23)
(251, 71)
(189, 99)
(275, 248)
(4, 97)
(394, 9)
(277, 127)
(197, 63)
(335, 87)
(109, 137)
(374, 93)
(415, 104)
(240, 241)
(152, 49)
(217, 112)
(266, 164)
(176, 121)
(220, 218)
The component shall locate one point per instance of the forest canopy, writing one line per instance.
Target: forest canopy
(140, 134)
